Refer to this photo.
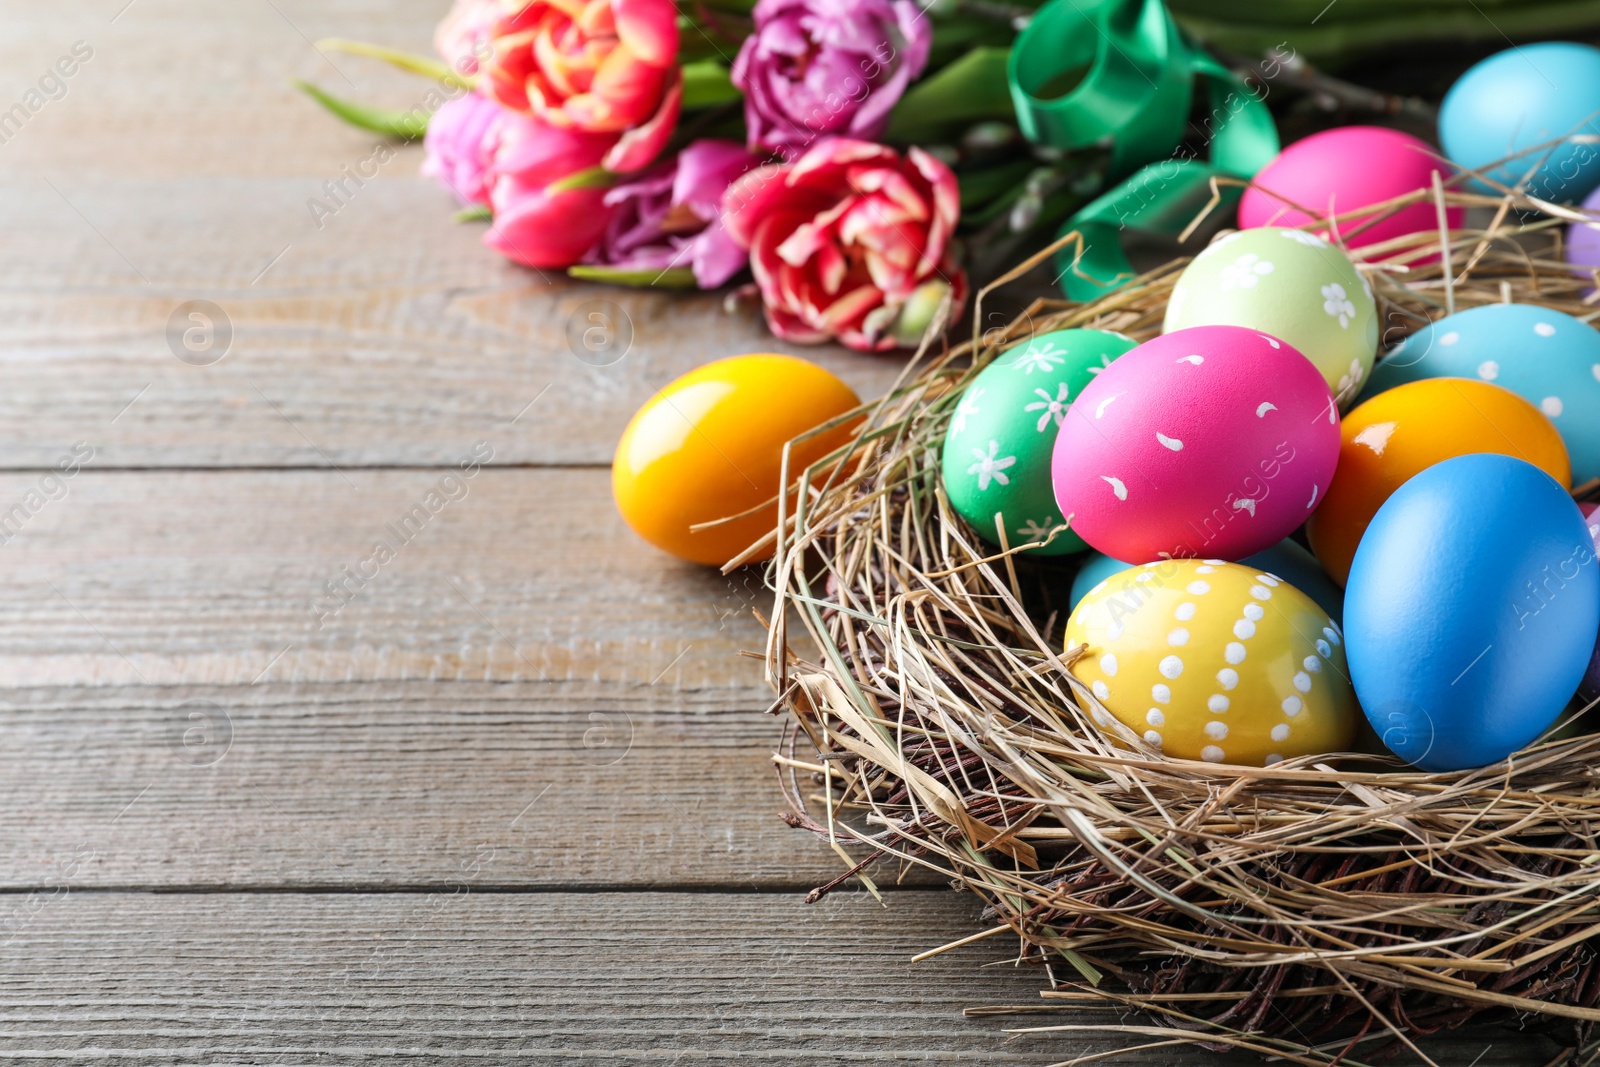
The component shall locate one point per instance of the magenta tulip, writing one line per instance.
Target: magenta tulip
(543, 217)
(815, 68)
(669, 217)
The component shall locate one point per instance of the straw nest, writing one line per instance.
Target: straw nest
(1305, 910)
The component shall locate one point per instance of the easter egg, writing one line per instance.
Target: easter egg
(1293, 285)
(1544, 356)
(996, 461)
(1211, 441)
(1591, 677)
(1471, 611)
(1583, 239)
(1397, 434)
(1097, 568)
(1344, 170)
(710, 445)
(1286, 560)
(1522, 98)
(1215, 661)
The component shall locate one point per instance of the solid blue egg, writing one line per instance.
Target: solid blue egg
(1471, 611)
(1286, 560)
(1548, 358)
(1519, 99)
(1097, 567)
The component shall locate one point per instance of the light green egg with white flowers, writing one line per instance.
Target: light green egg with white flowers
(1292, 285)
(1002, 435)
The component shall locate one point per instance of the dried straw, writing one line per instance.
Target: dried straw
(1300, 910)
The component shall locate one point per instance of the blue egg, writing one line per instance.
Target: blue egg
(1519, 99)
(1097, 567)
(1471, 611)
(1286, 560)
(1300, 568)
(1548, 358)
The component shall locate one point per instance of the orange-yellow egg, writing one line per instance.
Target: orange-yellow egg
(1215, 661)
(710, 445)
(1408, 429)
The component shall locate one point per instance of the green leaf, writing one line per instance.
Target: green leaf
(982, 214)
(958, 34)
(475, 213)
(405, 125)
(710, 39)
(982, 186)
(1352, 31)
(972, 89)
(706, 84)
(671, 278)
(588, 178)
(426, 66)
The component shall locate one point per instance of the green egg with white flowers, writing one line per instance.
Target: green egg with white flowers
(1291, 285)
(1002, 433)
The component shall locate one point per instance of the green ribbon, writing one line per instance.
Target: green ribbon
(1120, 74)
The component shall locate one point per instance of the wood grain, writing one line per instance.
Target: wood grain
(221, 578)
(382, 334)
(178, 89)
(361, 786)
(463, 975)
(524, 672)
(389, 336)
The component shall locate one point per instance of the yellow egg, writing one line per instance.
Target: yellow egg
(709, 446)
(1215, 661)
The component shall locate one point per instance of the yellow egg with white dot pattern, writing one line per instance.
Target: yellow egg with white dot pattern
(1214, 661)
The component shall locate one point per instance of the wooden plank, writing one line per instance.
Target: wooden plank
(618, 978)
(387, 336)
(366, 785)
(383, 333)
(364, 343)
(222, 578)
(227, 108)
(513, 978)
(522, 647)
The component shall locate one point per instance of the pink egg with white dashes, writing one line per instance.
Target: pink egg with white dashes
(1216, 441)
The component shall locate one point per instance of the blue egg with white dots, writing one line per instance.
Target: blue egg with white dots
(1522, 98)
(1286, 560)
(1547, 357)
(1471, 611)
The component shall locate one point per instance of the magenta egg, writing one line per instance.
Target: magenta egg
(1344, 170)
(1216, 441)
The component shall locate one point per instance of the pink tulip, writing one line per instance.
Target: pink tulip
(534, 224)
(458, 143)
(844, 238)
(815, 68)
(669, 216)
(597, 66)
(462, 37)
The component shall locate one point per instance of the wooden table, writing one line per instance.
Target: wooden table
(507, 799)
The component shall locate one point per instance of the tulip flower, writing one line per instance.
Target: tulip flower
(845, 238)
(815, 68)
(462, 37)
(457, 145)
(594, 66)
(547, 213)
(666, 224)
